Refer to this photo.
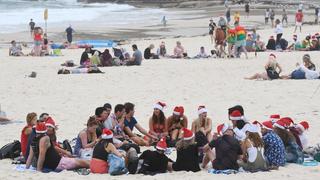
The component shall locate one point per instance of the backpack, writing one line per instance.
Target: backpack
(11, 150)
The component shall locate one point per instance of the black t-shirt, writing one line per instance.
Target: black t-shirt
(187, 159)
(32, 24)
(84, 57)
(246, 7)
(147, 53)
(227, 151)
(212, 26)
(154, 161)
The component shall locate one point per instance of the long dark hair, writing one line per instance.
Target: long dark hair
(285, 135)
(159, 120)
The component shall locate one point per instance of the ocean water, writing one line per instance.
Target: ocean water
(16, 14)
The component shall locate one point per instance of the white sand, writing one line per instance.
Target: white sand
(216, 83)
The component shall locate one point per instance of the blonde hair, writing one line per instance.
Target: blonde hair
(30, 117)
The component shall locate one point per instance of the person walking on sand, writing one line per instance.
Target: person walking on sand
(69, 32)
(212, 27)
(228, 15)
(299, 20)
(267, 15)
(247, 9)
(284, 16)
(272, 15)
(31, 25)
(164, 21)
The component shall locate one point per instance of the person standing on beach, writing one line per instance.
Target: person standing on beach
(267, 15)
(31, 25)
(278, 30)
(240, 41)
(316, 12)
(69, 32)
(164, 21)
(212, 27)
(247, 9)
(272, 14)
(299, 20)
(236, 18)
(228, 15)
(284, 16)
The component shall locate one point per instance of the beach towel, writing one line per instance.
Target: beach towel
(22, 168)
(226, 171)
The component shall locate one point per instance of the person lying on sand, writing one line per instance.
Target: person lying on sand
(273, 69)
(89, 70)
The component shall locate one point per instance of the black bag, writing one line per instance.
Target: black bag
(11, 150)
(272, 74)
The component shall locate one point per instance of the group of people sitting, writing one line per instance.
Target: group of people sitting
(306, 70)
(108, 144)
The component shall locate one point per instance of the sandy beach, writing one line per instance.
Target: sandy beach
(216, 83)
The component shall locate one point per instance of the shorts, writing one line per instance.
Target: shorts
(37, 43)
(299, 24)
(240, 43)
(99, 166)
(66, 164)
(210, 32)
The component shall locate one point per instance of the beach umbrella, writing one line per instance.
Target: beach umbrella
(45, 17)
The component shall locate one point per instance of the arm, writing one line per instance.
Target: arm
(62, 151)
(30, 157)
(28, 131)
(44, 144)
(151, 130)
(193, 127)
(84, 140)
(209, 126)
(185, 122)
(128, 131)
(110, 148)
(143, 131)
(280, 69)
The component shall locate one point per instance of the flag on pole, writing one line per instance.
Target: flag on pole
(45, 14)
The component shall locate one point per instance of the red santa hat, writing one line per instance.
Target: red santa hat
(159, 105)
(287, 121)
(236, 116)
(41, 128)
(267, 125)
(202, 109)
(304, 125)
(107, 134)
(162, 144)
(254, 128)
(50, 123)
(178, 110)
(274, 117)
(222, 128)
(187, 134)
(280, 124)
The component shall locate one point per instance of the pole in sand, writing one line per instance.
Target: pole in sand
(45, 17)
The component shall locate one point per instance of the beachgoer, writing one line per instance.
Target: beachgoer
(284, 16)
(241, 41)
(272, 15)
(130, 123)
(231, 40)
(84, 70)
(106, 58)
(212, 27)
(260, 45)
(178, 51)
(220, 39)
(295, 45)
(301, 128)
(227, 150)
(176, 122)
(69, 31)
(26, 131)
(247, 9)
(228, 15)
(202, 124)
(162, 51)
(102, 115)
(136, 57)
(87, 138)
(279, 31)
(250, 44)
(271, 45)
(85, 57)
(148, 54)
(32, 24)
(158, 122)
(37, 41)
(15, 50)
(273, 69)
(164, 21)
(187, 153)
(253, 150)
(266, 16)
(236, 18)
(222, 24)
(47, 157)
(299, 21)
(95, 59)
(274, 150)
(202, 53)
(316, 12)
(99, 162)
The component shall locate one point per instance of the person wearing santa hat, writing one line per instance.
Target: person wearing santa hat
(253, 150)
(187, 153)
(153, 162)
(130, 123)
(301, 129)
(274, 149)
(274, 118)
(47, 157)
(227, 149)
(294, 153)
(273, 70)
(202, 124)
(158, 122)
(99, 161)
(176, 122)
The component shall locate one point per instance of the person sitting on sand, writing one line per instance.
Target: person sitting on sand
(162, 51)
(271, 45)
(85, 57)
(15, 50)
(101, 114)
(253, 150)
(314, 44)
(260, 45)
(187, 153)
(90, 70)
(130, 123)
(178, 51)
(101, 151)
(26, 131)
(273, 69)
(202, 53)
(176, 122)
(202, 124)
(154, 162)
(95, 59)
(306, 44)
(294, 153)
(87, 138)
(158, 121)
(274, 150)
(47, 157)
(301, 128)
(136, 58)
(106, 58)
(295, 45)
(227, 150)
(51, 132)
(148, 54)
(250, 44)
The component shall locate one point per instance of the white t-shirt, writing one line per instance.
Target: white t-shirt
(279, 29)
